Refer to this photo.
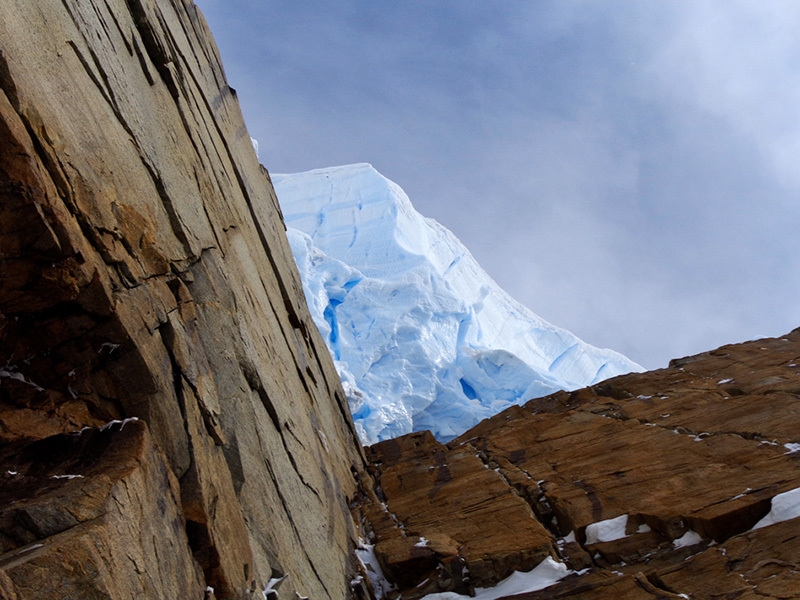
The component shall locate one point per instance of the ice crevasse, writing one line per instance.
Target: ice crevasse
(421, 336)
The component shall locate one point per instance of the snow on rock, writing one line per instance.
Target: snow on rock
(421, 336)
(369, 562)
(271, 591)
(607, 531)
(785, 506)
(547, 573)
(690, 538)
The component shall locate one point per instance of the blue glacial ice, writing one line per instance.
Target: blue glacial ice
(421, 336)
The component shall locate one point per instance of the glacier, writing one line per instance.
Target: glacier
(421, 336)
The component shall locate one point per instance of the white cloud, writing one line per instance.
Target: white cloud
(627, 170)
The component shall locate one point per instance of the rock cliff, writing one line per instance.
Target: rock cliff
(171, 424)
(144, 272)
(681, 482)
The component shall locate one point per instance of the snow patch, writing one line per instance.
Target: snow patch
(785, 506)
(607, 531)
(324, 439)
(121, 423)
(547, 573)
(271, 591)
(20, 377)
(366, 556)
(792, 447)
(690, 538)
(107, 347)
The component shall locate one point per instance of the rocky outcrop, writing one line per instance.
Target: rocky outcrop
(144, 273)
(74, 503)
(648, 485)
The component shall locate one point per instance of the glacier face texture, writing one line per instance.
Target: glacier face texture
(421, 336)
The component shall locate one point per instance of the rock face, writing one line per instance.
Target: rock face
(73, 504)
(657, 484)
(144, 272)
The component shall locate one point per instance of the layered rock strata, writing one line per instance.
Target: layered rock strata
(75, 502)
(648, 485)
(144, 272)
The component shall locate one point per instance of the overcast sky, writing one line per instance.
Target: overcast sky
(628, 170)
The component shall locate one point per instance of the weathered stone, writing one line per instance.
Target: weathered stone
(94, 514)
(431, 491)
(684, 460)
(144, 271)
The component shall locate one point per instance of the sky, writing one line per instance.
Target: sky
(627, 170)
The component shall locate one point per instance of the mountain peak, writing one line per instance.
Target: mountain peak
(423, 338)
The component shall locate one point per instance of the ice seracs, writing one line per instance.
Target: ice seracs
(421, 336)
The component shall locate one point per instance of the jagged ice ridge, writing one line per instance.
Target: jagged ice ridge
(421, 336)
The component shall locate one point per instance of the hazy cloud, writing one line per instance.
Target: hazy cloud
(628, 170)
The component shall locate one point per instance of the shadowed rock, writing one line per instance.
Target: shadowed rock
(81, 509)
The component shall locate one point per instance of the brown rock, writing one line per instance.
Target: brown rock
(80, 508)
(696, 450)
(432, 491)
(144, 271)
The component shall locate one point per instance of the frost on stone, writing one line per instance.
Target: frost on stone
(421, 336)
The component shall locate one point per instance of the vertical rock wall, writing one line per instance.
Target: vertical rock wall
(144, 273)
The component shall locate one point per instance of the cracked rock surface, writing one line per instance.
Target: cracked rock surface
(74, 502)
(145, 272)
(646, 485)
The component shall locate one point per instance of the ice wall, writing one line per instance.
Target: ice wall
(421, 336)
